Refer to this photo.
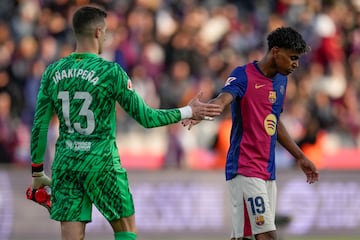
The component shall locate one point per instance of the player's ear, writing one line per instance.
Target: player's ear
(275, 51)
(98, 32)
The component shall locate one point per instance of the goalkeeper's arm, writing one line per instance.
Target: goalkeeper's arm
(43, 114)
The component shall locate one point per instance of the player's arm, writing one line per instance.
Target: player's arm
(234, 88)
(290, 145)
(222, 100)
(149, 117)
(43, 114)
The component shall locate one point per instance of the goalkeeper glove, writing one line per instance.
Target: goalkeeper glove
(39, 178)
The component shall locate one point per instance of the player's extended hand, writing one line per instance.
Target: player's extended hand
(203, 111)
(39, 179)
(308, 167)
(190, 123)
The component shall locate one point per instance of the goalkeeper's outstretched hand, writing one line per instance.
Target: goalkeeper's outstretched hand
(189, 123)
(202, 110)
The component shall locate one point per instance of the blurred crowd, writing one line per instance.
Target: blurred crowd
(172, 49)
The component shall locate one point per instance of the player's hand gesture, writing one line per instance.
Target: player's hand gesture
(308, 167)
(190, 123)
(203, 111)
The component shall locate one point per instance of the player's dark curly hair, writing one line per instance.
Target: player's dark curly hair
(288, 38)
(87, 17)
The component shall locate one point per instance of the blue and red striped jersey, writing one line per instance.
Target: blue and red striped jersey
(258, 102)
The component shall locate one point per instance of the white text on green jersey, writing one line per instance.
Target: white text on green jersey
(75, 73)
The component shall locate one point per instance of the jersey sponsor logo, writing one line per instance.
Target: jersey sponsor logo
(257, 86)
(78, 146)
(272, 96)
(270, 124)
(82, 146)
(259, 220)
(69, 144)
(229, 80)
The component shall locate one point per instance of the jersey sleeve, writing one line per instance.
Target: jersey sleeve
(43, 114)
(236, 83)
(136, 107)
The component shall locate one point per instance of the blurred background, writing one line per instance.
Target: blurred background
(172, 49)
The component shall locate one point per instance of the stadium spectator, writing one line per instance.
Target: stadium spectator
(8, 136)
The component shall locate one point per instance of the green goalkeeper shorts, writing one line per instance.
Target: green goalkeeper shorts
(74, 192)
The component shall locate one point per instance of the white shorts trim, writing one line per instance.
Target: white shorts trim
(259, 197)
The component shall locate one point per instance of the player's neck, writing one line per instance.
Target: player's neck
(86, 47)
(86, 50)
(266, 68)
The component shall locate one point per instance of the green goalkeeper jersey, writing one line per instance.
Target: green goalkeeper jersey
(82, 89)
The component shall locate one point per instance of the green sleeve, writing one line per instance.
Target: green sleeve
(43, 114)
(136, 107)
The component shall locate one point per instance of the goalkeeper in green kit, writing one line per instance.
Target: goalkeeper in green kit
(83, 89)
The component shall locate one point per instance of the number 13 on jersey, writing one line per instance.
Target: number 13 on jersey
(84, 111)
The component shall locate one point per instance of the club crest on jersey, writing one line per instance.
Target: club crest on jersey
(272, 96)
(229, 80)
(259, 220)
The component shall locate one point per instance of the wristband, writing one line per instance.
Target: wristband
(185, 112)
(37, 167)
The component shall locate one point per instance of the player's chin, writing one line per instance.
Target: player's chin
(290, 71)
